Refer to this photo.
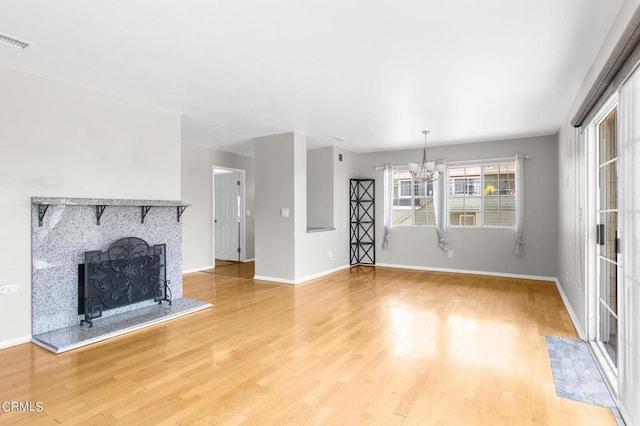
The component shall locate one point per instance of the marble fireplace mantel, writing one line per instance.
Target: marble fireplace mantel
(104, 201)
(100, 204)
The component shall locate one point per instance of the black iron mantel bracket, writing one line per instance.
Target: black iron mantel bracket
(99, 211)
(144, 210)
(42, 210)
(179, 211)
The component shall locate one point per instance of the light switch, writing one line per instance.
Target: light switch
(284, 212)
(248, 212)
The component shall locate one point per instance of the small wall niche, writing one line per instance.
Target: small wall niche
(320, 187)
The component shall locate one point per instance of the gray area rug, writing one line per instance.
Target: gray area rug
(575, 373)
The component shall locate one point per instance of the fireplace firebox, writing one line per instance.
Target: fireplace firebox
(129, 271)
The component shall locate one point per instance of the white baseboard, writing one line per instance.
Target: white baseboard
(273, 279)
(14, 342)
(300, 280)
(203, 268)
(572, 313)
(466, 271)
(322, 274)
(249, 260)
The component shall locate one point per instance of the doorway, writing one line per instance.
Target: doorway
(228, 205)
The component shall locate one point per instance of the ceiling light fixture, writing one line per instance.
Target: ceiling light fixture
(428, 171)
(10, 41)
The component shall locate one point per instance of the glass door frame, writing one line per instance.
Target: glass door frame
(608, 369)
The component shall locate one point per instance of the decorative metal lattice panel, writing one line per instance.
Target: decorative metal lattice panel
(129, 271)
(362, 222)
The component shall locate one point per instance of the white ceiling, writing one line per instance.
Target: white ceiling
(374, 73)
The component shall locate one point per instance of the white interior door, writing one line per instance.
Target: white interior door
(227, 215)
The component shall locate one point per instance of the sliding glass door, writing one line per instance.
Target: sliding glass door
(607, 239)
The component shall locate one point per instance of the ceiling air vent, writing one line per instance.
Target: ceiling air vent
(10, 41)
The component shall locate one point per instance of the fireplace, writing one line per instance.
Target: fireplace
(127, 255)
(129, 271)
(64, 229)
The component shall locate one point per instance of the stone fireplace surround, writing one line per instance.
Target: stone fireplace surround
(71, 226)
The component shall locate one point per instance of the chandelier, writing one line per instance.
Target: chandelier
(428, 171)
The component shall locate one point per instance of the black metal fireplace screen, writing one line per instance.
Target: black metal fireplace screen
(129, 271)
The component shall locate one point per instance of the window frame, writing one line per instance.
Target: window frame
(481, 186)
(415, 195)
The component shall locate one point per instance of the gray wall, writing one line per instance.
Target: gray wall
(480, 249)
(197, 190)
(320, 183)
(320, 252)
(275, 189)
(572, 189)
(62, 141)
(285, 251)
(197, 220)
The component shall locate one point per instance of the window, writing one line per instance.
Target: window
(412, 200)
(482, 195)
(466, 186)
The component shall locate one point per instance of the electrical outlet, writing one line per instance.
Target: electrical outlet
(450, 253)
(330, 254)
(8, 289)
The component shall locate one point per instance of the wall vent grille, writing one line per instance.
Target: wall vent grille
(10, 41)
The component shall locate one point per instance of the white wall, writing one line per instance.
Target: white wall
(197, 190)
(479, 249)
(58, 140)
(629, 226)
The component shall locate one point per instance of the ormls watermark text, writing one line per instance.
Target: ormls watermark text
(22, 406)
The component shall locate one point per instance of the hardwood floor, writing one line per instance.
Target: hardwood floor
(361, 346)
(234, 269)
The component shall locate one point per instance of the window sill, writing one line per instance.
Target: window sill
(482, 227)
(311, 229)
(413, 226)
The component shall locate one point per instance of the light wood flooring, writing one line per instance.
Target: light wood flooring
(234, 269)
(362, 346)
